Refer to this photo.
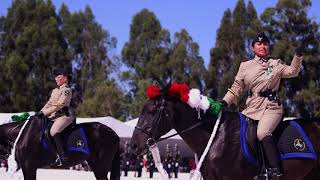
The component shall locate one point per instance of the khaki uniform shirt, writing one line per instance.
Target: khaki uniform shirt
(257, 76)
(60, 97)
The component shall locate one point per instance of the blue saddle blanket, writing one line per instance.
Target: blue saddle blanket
(291, 140)
(75, 141)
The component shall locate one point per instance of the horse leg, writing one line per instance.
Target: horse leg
(29, 173)
(314, 174)
(296, 169)
(99, 168)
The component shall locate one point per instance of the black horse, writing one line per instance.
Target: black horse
(225, 160)
(30, 154)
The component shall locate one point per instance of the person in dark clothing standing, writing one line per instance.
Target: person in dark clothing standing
(126, 160)
(151, 165)
(175, 167)
(176, 161)
(139, 165)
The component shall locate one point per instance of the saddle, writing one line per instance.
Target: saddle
(74, 136)
(289, 136)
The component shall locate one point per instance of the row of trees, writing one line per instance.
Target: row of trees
(35, 39)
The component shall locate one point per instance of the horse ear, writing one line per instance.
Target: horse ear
(164, 91)
(158, 83)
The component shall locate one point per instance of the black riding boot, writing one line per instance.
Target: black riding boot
(61, 156)
(272, 156)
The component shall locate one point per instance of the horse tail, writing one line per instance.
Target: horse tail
(115, 169)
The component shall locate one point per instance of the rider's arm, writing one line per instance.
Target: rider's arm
(63, 101)
(47, 104)
(236, 88)
(292, 70)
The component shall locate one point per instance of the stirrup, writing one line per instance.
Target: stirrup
(262, 176)
(57, 161)
(275, 172)
(60, 160)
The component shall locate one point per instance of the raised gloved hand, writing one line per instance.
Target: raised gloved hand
(39, 114)
(224, 104)
(299, 51)
(216, 106)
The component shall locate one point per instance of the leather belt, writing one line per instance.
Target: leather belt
(271, 95)
(64, 111)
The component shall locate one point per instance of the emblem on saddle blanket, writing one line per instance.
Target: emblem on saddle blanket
(299, 144)
(76, 141)
(80, 144)
(292, 143)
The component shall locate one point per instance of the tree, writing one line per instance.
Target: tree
(90, 48)
(253, 27)
(232, 46)
(146, 48)
(34, 40)
(289, 26)
(219, 55)
(104, 99)
(185, 63)
(32, 46)
(150, 57)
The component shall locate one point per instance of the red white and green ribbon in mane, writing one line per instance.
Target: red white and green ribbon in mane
(191, 97)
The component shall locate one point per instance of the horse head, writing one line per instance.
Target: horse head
(164, 110)
(6, 141)
(154, 121)
(9, 132)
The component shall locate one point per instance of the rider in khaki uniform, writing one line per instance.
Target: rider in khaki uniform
(57, 110)
(261, 78)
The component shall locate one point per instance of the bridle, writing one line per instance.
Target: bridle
(4, 157)
(150, 141)
(155, 123)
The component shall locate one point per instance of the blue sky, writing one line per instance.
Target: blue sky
(201, 18)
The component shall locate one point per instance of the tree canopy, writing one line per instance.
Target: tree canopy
(36, 38)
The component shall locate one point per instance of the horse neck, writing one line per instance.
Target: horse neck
(196, 138)
(9, 132)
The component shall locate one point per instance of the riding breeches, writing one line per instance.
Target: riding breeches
(267, 124)
(60, 124)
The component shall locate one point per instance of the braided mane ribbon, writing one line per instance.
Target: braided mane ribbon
(152, 91)
(180, 91)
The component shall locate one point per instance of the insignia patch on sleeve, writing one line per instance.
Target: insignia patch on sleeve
(67, 92)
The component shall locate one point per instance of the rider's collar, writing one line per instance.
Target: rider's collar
(260, 59)
(63, 85)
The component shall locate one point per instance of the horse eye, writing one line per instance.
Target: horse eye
(152, 108)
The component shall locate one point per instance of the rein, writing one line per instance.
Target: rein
(183, 131)
(12, 163)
